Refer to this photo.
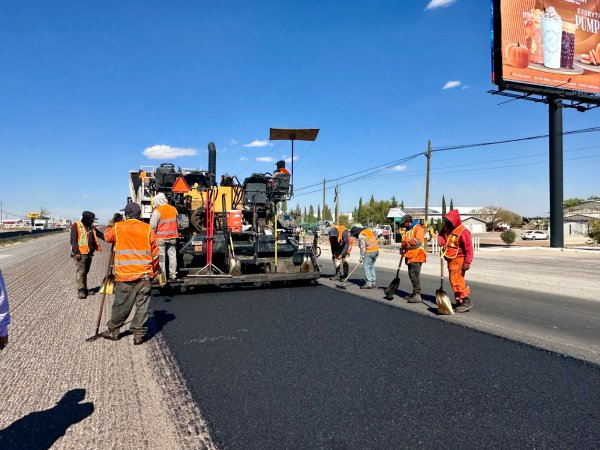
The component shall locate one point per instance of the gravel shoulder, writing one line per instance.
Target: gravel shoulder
(133, 397)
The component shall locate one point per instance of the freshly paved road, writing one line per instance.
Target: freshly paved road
(319, 367)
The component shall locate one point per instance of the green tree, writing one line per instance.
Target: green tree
(393, 202)
(318, 212)
(402, 204)
(327, 215)
(360, 213)
(443, 206)
(311, 214)
(508, 237)
(451, 204)
(594, 230)
(304, 215)
(344, 220)
(570, 202)
(372, 200)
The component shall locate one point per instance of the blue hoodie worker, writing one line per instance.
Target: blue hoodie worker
(339, 238)
(369, 251)
(164, 223)
(413, 254)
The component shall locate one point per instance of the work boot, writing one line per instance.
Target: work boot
(368, 286)
(413, 298)
(138, 340)
(172, 277)
(338, 275)
(82, 293)
(110, 335)
(464, 306)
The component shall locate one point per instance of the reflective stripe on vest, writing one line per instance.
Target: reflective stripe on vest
(453, 242)
(341, 229)
(167, 224)
(371, 240)
(83, 239)
(417, 254)
(133, 252)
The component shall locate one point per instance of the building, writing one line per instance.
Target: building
(433, 213)
(577, 218)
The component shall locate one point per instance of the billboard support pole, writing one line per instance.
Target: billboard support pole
(428, 155)
(555, 117)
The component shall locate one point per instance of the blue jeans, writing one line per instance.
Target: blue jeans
(369, 266)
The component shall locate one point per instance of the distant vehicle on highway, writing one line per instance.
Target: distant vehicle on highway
(534, 235)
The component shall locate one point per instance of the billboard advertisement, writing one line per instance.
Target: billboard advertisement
(553, 44)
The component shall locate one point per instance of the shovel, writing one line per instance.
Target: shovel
(441, 298)
(235, 268)
(104, 290)
(341, 286)
(108, 284)
(393, 287)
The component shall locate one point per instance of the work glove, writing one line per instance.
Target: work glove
(466, 267)
(77, 256)
(360, 260)
(3, 341)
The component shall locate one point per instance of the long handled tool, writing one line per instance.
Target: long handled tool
(341, 286)
(235, 268)
(441, 298)
(393, 287)
(104, 290)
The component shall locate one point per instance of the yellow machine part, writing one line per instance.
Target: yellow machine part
(199, 198)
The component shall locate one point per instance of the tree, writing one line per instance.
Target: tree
(402, 204)
(508, 237)
(359, 213)
(311, 214)
(393, 202)
(451, 204)
(44, 213)
(319, 213)
(344, 220)
(443, 206)
(304, 215)
(327, 215)
(594, 230)
(372, 200)
(495, 216)
(570, 202)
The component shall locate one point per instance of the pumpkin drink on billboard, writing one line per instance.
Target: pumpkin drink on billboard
(551, 43)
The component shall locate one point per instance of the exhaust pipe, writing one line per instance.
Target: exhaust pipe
(212, 161)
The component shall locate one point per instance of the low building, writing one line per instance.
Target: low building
(578, 223)
(474, 224)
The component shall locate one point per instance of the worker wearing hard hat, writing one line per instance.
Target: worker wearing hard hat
(339, 239)
(136, 263)
(413, 254)
(84, 242)
(456, 246)
(164, 223)
(369, 251)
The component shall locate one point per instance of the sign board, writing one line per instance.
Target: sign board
(180, 186)
(552, 45)
(33, 215)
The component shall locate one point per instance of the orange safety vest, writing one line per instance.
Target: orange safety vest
(83, 239)
(371, 240)
(133, 250)
(167, 224)
(453, 241)
(341, 229)
(417, 254)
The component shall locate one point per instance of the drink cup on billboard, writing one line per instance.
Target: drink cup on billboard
(533, 34)
(551, 42)
(567, 45)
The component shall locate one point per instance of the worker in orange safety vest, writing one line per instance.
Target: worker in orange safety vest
(456, 245)
(414, 255)
(164, 223)
(84, 242)
(136, 263)
(369, 251)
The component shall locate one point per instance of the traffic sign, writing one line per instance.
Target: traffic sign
(33, 215)
(180, 186)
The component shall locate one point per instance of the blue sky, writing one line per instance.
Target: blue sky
(87, 87)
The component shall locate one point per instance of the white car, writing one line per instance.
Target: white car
(534, 235)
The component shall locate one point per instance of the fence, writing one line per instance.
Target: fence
(435, 248)
(14, 234)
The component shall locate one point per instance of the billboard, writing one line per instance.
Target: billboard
(550, 46)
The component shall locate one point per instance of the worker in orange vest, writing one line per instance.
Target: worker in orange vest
(339, 239)
(136, 263)
(369, 251)
(413, 254)
(456, 245)
(84, 242)
(164, 223)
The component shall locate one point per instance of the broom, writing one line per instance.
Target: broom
(105, 287)
(391, 289)
(341, 286)
(441, 298)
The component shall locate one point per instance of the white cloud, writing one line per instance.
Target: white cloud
(265, 159)
(399, 168)
(289, 159)
(166, 152)
(433, 4)
(243, 158)
(257, 143)
(451, 84)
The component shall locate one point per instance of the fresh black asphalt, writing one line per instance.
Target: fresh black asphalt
(316, 367)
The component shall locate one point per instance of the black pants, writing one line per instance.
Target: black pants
(414, 273)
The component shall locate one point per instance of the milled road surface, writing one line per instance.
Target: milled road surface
(318, 367)
(114, 395)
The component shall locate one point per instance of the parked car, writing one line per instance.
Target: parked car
(534, 235)
(383, 231)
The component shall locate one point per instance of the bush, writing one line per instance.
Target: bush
(594, 231)
(508, 237)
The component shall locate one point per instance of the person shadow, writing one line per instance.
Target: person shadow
(41, 429)
(157, 320)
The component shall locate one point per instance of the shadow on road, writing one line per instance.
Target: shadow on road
(157, 321)
(41, 429)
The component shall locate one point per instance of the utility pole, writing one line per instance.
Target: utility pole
(428, 155)
(337, 203)
(323, 209)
